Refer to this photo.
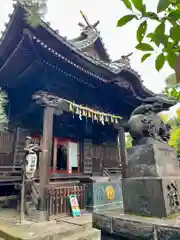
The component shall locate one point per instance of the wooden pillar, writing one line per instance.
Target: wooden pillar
(122, 150)
(46, 153)
(55, 154)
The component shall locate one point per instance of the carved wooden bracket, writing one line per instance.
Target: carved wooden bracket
(47, 99)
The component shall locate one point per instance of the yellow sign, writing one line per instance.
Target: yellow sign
(110, 193)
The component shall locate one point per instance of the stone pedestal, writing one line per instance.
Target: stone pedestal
(152, 160)
(103, 193)
(151, 197)
(153, 186)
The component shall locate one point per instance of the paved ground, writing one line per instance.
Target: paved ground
(68, 228)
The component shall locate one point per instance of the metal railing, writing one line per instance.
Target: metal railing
(58, 202)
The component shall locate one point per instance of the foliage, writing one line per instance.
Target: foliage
(173, 92)
(167, 16)
(128, 139)
(171, 80)
(175, 139)
(3, 117)
(172, 89)
(175, 132)
(36, 9)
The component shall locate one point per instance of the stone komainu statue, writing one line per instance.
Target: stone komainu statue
(145, 124)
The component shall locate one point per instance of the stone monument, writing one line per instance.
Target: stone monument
(152, 188)
(103, 193)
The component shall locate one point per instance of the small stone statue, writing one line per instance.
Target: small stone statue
(127, 57)
(124, 60)
(146, 126)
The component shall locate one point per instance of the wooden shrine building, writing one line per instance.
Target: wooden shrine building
(77, 138)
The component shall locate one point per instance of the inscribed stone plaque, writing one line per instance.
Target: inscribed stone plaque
(104, 195)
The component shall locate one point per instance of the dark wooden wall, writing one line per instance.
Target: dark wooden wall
(97, 156)
(6, 147)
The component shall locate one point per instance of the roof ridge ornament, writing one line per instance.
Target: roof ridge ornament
(88, 24)
(123, 61)
(127, 57)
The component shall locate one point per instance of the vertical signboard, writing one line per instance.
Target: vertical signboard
(74, 206)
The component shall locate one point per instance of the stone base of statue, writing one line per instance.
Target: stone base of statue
(153, 186)
(151, 194)
(151, 189)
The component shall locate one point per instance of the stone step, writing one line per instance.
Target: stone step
(32, 214)
(84, 234)
(35, 214)
(32, 219)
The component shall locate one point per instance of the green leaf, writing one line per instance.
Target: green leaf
(125, 19)
(155, 39)
(162, 5)
(175, 33)
(127, 3)
(141, 31)
(145, 56)
(138, 4)
(172, 21)
(171, 59)
(168, 46)
(160, 60)
(152, 15)
(173, 1)
(160, 29)
(150, 35)
(159, 34)
(144, 47)
(175, 14)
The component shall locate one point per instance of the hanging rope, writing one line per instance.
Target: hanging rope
(94, 115)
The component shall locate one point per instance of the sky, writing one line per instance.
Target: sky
(64, 16)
